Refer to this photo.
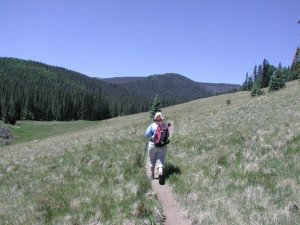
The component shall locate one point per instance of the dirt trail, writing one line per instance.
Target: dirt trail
(173, 213)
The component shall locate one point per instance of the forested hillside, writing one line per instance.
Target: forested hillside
(36, 91)
(171, 87)
(122, 80)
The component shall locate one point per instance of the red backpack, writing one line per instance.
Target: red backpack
(161, 135)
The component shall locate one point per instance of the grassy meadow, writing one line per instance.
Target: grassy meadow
(36, 130)
(236, 163)
(89, 176)
(239, 162)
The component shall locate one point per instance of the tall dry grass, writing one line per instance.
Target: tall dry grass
(239, 162)
(90, 177)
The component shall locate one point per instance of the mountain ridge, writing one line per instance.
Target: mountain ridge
(214, 88)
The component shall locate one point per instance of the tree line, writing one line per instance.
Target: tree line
(270, 76)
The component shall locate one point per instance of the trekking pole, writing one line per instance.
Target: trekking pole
(145, 152)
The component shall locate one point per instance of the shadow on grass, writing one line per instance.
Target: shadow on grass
(170, 170)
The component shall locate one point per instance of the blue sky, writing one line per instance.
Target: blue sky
(204, 40)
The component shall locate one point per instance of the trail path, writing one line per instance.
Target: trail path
(173, 213)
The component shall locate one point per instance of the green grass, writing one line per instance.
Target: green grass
(36, 130)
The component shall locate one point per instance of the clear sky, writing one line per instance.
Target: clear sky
(204, 40)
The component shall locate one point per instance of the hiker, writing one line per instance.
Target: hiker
(156, 154)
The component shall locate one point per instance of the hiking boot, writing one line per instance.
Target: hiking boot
(161, 179)
(161, 176)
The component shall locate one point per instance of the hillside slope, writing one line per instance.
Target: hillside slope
(173, 88)
(236, 163)
(37, 91)
(122, 80)
(239, 163)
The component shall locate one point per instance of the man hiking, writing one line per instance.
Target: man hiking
(158, 134)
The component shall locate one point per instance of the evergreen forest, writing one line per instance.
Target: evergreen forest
(31, 90)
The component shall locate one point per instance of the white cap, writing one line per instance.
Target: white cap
(158, 114)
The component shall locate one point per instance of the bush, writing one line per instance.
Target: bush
(277, 81)
(256, 90)
(10, 119)
(8, 111)
(6, 136)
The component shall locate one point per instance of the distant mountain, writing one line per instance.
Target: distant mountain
(37, 91)
(182, 86)
(171, 88)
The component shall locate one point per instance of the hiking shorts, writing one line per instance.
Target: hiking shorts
(156, 155)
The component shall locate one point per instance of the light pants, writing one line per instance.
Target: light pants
(156, 155)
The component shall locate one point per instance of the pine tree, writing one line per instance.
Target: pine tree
(295, 69)
(250, 83)
(245, 84)
(155, 106)
(255, 74)
(267, 71)
(265, 74)
(256, 89)
(259, 73)
(277, 80)
(287, 73)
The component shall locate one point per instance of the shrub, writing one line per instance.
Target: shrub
(6, 136)
(8, 111)
(10, 119)
(277, 81)
(256, 90)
